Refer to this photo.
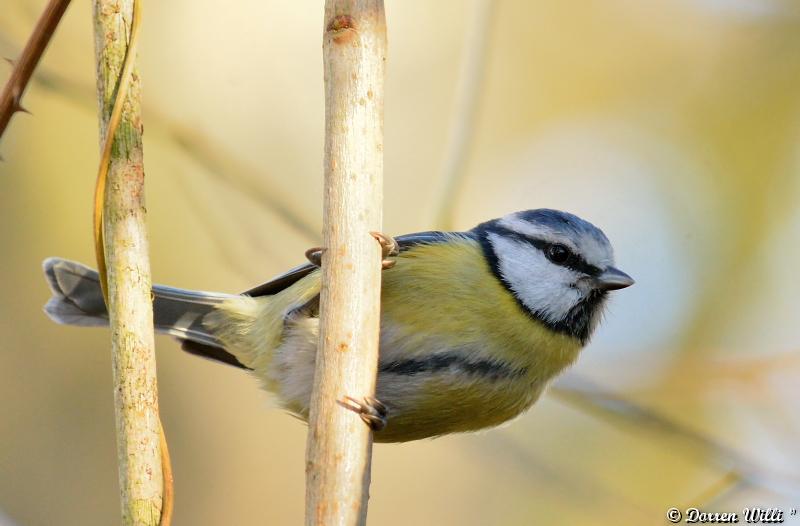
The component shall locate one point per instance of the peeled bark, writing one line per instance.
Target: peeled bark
(339, 445)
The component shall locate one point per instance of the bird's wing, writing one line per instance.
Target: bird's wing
(311, 307)
(281, 282)
(294, 275)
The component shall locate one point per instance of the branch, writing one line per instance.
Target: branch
(242, 178)
(626, 415)
(11, 97)
(339, 448)
(123, 261)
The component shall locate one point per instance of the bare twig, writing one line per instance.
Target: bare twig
(339, 448)
(612, 408)
(465, 110)
(124, 266)
(240, 177)
(219, 163)
(11, 97)
(511, 454)
(216, 231)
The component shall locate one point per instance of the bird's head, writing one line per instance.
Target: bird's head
(558, 267)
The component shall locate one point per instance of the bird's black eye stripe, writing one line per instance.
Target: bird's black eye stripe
(570, 259)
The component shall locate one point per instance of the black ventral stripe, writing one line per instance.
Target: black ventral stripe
(439, 362)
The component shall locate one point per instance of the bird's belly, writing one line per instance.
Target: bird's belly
(430, 384)
(452, 401)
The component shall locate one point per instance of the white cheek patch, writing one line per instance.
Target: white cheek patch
(543, 287)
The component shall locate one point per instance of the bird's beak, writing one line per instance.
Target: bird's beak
(613, 279)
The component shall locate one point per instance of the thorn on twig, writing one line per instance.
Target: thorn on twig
(26, 63)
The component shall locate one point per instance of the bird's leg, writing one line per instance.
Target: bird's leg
(389, 248)
(370, 409)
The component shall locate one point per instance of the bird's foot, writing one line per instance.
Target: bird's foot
(389, 248)
(370, 409)
(314, 255)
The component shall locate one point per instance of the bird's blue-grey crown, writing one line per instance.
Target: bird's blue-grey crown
(558, 266)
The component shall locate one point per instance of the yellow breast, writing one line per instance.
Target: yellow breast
(448, 289)
(443, 299)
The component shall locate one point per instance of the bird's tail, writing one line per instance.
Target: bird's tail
(78, 300)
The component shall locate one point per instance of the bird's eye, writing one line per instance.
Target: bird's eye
(558, 254)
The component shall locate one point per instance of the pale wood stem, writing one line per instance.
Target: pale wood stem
(339, 444)
(125, 257)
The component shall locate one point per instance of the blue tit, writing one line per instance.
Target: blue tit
(474, 325)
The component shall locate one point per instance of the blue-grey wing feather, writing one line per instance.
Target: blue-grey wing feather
(294, 275)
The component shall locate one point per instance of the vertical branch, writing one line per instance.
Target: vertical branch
(339, 445)
(123, 257)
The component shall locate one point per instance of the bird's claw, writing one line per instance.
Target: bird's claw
(370, 409)
(389, 248)
(314, 255)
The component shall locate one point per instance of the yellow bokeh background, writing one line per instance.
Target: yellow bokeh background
(674, 125)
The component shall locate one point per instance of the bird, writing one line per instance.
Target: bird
(474, 325)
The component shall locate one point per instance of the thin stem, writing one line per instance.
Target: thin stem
(339, 447)
(11, 97)
(249, 181)
(123, 261)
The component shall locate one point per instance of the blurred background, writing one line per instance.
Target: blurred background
(674, 125)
